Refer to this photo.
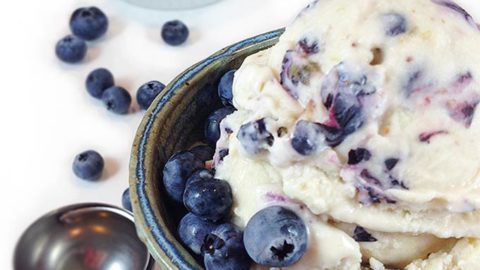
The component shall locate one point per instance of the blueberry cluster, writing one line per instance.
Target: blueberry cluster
(274, 237)
(86, 24)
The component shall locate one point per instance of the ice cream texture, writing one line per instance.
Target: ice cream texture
(363, 119)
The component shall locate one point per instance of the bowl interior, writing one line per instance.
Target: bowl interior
(173, 123)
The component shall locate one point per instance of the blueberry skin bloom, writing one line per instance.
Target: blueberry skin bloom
(98, 81)
(175, 32)
(126, 202)
(203, 152)
(88, 165)
(176, 172)
(71, 49)
(117, 100)
(192, 230)
(225, 91)
(223, 249)
(88, 23)
(210, 199)
(148, 92)
(275, 237)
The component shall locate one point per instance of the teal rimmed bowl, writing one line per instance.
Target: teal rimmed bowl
(172, 123)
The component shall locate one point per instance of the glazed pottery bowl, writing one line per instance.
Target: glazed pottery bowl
(174, 122)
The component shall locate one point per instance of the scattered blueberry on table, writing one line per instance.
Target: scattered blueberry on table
(210, 199)
(126, 202)
(117, 99)
(88, 23)
(225, 88)
(88, 165)
(212, 125)
(148, 92)
(224, 249)
(192, 230)
(71, 49)
(176, 172)
(276, 237)
(98, 81)
(175, 32)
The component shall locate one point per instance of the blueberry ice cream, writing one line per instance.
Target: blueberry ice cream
(363, 121)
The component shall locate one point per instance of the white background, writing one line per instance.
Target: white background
(47, 117)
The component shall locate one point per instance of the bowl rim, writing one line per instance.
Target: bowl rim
(159, 242)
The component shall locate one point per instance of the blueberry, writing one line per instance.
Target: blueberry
(294, 72)
(176, 172)
(223, 153)
(361, 235)
(88, 23)
(175, 32)
(71, 49)
(395, 24)
(348, 113)
(255, 137)
(203, 152)
(308, 46)
(117, 99)
(390, 163)
(210, 199)
(199, 175)
(358, 155)
(192, 230)
(223, 249)
(148, 92)
(126, 202)
(275, 237)
(225, 88)
(88, 165)
(98, 81)
(212, 126)
(307, 138)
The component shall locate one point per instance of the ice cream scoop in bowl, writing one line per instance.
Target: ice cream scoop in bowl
(174, 122)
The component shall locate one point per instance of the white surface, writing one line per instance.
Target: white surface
(47, 116)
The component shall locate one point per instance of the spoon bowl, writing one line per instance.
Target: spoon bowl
(82, 236)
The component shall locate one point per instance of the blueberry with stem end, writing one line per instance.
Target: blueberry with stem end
(88, 23)
(71, 49)
(88, 165)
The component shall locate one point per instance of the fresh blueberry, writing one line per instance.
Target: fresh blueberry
(395, 24)
(88, 165)
(176, 172)
(307, 138)
(175, 32)
(117, 99)
(210, 199)
(71, 49)
(255, 137)
(275, 237)
(199, 175)
(148, 92)
(203, 152)
(192, 230)
(88, 23)
(223, 249)
(212, 126)
(361, 235)
(126, 202)
(390, 163)
(358, 155)
(98, 81)
(225, 88)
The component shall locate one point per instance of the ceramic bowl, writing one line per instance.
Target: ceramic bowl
(172, 123)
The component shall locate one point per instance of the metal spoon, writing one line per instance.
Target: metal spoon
(85, 237)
